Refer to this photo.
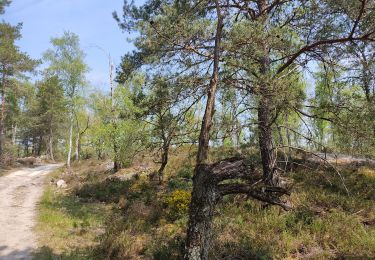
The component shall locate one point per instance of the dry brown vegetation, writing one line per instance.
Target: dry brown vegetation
(104, 216)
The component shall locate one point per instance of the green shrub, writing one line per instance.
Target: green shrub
(178, 203)
(183, 179)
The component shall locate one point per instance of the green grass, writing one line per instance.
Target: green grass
(325, 222)
(68, 227)
(137, 219)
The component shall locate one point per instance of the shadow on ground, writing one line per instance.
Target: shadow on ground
(46, 253)
(14, 254)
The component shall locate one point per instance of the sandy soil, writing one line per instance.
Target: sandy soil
(19, 194)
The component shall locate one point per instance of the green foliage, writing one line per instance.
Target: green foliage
(158, 104)
(116, 132)
(3, 4)
(145, 221)
(66, 60)
(67, 227)
(13, 65)
(13, 61)
(130, 139)
(182, 179)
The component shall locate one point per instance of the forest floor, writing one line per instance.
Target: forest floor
(101, 215)
(20, 191)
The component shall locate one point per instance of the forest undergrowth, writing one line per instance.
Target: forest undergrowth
(110, 216)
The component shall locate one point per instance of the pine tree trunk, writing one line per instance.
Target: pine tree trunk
(26, 149)
(204, 137)
(2, 118)
(116, 163)
(50, 145)
(202, 202)
(40, 144)
(202, 207)
(164, 161)
(33, 147)
(289, 140)
(268, 154)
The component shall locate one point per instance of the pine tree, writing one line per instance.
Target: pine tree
(13, 63)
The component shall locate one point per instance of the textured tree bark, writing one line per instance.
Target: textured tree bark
(268, 154)
(203, 196)
(79, 137)
(203, 201)
(116, 163)
(204, 137)
(164, 161)
(70, 142)
(208, 189)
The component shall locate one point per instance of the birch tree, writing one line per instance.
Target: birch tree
(66, 61)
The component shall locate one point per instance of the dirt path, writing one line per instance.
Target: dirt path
(19, 194)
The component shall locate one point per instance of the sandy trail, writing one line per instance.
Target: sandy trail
(19, 194)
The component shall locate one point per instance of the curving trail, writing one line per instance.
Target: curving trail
(19, 195)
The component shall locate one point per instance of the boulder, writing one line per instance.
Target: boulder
(61, 184)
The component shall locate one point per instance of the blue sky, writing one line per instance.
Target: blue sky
(90, 19)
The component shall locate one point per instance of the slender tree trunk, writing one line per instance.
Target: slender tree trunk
(70, 141)
(50, 145)
(202, 202)
(237, 136)
(33, 147)
(116, 161)
(2, 117)
(26, 143)
(204, 137)
(289, 140)
(40, 144)
(164, 161)
(79, 137)
(14, 134)
(116, 164)
(78, 144)
(79, 148)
